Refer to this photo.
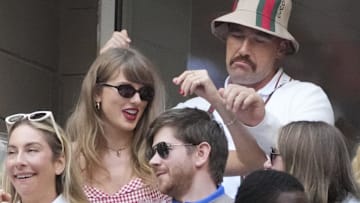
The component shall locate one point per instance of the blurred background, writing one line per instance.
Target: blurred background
(46, 48)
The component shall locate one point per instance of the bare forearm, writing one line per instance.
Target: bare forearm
(248, 155)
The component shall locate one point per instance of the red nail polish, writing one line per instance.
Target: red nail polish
(181, 91)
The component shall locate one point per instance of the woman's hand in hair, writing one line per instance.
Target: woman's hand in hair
(117, 40)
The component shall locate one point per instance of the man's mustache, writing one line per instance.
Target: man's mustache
(244, 59)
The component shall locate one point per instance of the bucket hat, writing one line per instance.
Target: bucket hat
(269, 16)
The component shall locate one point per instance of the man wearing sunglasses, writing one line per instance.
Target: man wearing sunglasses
(187, 151)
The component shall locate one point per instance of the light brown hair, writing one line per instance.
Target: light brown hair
(316, 154)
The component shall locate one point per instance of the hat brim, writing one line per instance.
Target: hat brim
(248, 18)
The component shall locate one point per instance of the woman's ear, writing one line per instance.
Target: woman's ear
(202, 154)
(60, 165)
(97, 99)
(97, 93)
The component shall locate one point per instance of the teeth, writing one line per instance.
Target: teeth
(131, 111)
(23, 176)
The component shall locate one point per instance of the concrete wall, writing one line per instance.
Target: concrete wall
(78, 48)
(161, 30)
(28, 56)
(45, 49)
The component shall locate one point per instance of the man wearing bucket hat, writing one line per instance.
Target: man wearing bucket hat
(258, 96)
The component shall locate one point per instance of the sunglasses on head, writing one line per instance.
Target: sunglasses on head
(273, 154)
(37, 116)
(127, 91)
(163, 149)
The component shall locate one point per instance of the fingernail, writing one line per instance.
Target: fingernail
(181, 91)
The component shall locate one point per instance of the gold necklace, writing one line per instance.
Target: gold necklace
(117, 151)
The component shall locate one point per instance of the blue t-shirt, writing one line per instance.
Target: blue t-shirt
(218, 193)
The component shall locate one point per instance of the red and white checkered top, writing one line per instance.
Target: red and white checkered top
(133, 192)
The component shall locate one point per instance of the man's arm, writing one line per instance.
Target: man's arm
(248, 155)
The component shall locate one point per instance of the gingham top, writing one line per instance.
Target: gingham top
(133, 192)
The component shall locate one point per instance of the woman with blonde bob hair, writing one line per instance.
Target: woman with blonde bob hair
(120, 95)
(39, 165)
(316, 154)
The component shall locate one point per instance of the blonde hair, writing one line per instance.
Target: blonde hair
(316, 154)
(68, 183)
(356, 165)
(85, 125)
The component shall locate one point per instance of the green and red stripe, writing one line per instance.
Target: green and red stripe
(235, 5)
(266, 13)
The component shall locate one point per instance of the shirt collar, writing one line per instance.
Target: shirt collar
(219, 192)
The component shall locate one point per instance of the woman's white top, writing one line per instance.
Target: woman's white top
(60, 199)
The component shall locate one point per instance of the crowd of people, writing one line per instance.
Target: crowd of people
(120, 144)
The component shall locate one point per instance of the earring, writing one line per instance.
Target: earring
(97, 105)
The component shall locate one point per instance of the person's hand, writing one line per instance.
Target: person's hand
(244, 102)
(197, 82)
(117, 40)
(4, 197)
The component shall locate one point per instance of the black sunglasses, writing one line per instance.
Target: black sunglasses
(273, 154)
(126, 90)
(163, 149)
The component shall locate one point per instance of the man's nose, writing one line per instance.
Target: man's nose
(245, 47)
(155, 160)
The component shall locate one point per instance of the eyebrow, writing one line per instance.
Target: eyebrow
(30, 144)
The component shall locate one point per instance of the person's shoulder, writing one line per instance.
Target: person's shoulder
(196, 102)
(302, 84)
(298, 88)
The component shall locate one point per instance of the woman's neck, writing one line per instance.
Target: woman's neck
(41, 197)
(116, 138)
